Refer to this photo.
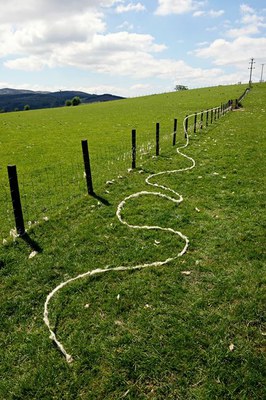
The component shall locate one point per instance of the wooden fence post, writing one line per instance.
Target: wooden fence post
(211, 116)
(195, 122)
(207, 118)
(201, 120)
(174, 134)
(87, 167)
(133, 137)
(15, 196)
(157, 138)
(186, 126)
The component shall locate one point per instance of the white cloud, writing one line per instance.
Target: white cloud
(251, 23)
(113, 53)
(42, 37)
(99, 89)
(120, 54)
(215, 14)
(167, 7)
(211, 13)
(126, 26)
(246, 9)
(199, 13)
(200, 44)
(241, 47)
(31, 63)
(78, 40)
(75, 34)
(141, 86)
(247, 30)
(234, 53)
(17, 11)
(130, 7)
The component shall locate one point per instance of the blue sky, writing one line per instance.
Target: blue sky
(130, 47)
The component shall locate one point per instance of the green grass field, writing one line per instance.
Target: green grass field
(45, 145)
(191, 329)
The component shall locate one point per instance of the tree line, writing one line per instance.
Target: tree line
(75, 101)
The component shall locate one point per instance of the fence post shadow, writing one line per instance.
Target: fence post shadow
(31, 243)
(101, 199)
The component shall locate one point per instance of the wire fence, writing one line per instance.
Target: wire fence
(202, 119)
(53, 188)
(41, 192)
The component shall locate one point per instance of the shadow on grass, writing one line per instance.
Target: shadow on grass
(101, 199)
(31, 243)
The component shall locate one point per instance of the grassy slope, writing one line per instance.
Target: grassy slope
(169, 334)
(42, 136)
(45, 144)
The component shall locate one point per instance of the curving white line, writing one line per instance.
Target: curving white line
(120, 207)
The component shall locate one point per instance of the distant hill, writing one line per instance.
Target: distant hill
(16, 99)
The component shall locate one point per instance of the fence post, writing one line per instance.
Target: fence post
(157, 138)
(207, 118)
(211, 116)
(174, 134)
(87, 166)
(195, 123)
(201, 120)
(133, 137)
(15, 196)
(186, 126)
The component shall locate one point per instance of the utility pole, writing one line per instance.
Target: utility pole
(261, 77)
(251, 68)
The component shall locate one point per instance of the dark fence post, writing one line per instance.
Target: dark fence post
(87, 166)
(195, 123)
(157, 138)
(186, 126)
(15, 196)
(174, 134)
(207, 118)
(133, 136)
(211, 115)
(201, 120)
